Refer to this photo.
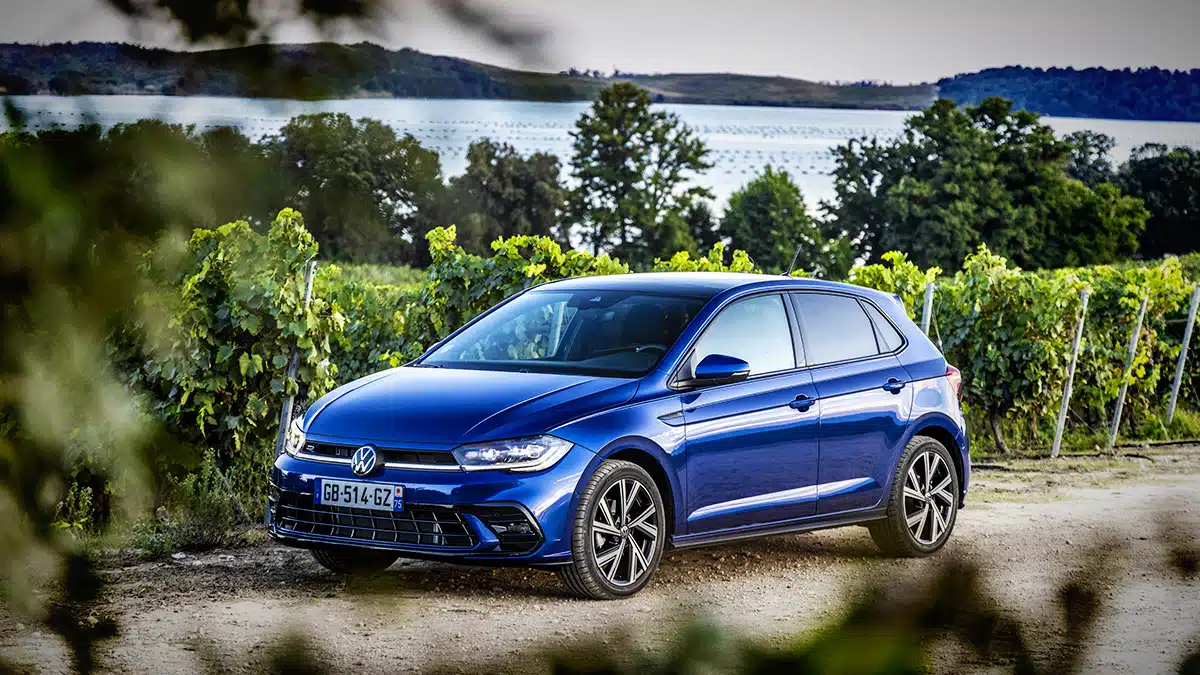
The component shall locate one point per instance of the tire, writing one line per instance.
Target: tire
(606, 565)
(353, 561)
(920, 518)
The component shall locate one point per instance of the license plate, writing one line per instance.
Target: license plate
(360, 495)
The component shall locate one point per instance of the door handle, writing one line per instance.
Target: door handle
(803, 403)
(893, 385)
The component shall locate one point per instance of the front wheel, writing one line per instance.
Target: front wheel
(923, 504)
(353, 561)
(619, 533)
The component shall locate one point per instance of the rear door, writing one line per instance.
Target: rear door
(865, 394)
(752, 445)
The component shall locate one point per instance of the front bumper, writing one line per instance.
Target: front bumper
(487, 517)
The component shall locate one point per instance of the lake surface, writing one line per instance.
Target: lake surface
(742, 139)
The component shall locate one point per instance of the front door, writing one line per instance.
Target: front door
(752, 445)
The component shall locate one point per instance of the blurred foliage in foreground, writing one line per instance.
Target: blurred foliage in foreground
(939, 616)
(91, 232)
(68, 276)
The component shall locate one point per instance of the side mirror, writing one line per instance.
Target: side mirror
(718, 369)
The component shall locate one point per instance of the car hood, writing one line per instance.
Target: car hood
(448, 406)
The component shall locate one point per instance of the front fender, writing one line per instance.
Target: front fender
(639, 427)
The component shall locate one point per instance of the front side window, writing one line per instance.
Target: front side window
(755, 330)
(835, 328)
(605, 333)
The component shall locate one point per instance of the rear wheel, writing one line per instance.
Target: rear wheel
(923, 504)
(619, 533)
(353, 561)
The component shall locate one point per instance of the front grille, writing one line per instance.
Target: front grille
(417, 525)
(385, 455)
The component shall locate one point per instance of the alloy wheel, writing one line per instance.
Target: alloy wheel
(928, 502)
(625, 529)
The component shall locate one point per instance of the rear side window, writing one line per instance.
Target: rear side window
(887, 335)
(755, 330)
(836, 328)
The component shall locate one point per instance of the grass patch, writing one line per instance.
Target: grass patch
(1185, 424)
(1032, 437)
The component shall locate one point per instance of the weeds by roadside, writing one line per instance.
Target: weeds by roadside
(1032, 436)
(201, 513)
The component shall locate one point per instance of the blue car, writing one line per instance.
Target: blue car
(589, 425)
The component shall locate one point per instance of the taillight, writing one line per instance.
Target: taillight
(954, 375)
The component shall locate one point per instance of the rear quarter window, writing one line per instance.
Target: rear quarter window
(885, 333)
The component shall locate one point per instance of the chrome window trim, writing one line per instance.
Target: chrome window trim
(795, 315)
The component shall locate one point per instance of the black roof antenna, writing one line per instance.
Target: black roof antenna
(791, 267)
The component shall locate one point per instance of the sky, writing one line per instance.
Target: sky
(885, 40)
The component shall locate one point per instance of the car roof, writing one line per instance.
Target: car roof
(701, 284)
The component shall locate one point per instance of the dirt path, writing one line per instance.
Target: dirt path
(1026, 529)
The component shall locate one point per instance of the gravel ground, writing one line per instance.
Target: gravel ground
(1026, 527)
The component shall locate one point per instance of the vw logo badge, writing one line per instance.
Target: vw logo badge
(363, 461)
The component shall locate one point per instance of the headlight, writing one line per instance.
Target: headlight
(294, 441)
(532, 453)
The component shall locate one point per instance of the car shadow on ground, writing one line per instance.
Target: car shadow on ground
(280, 572)
(731, 561)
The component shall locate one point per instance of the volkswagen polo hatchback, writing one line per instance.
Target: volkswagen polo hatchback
(589, 425)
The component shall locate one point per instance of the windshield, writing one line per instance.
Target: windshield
(603, 333)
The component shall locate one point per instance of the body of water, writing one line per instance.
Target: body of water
(742, 140)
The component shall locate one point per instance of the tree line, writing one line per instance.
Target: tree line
(1132, 94)
(956, 177)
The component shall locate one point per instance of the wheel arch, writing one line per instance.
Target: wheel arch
(646, 454)
(941, 431)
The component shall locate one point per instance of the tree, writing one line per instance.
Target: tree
(68, 83)
(769, 220)
(1089, 157)
(1094, 226)
(244, 182)
(634, 166)
(703, 225)
(985, 174)
(1168, 181)
(367, 194)
(503, 194)
(15, 85)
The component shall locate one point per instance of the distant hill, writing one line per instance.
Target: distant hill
(364, 70)
(1143, 94)
(326, 70)
(730, 89)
